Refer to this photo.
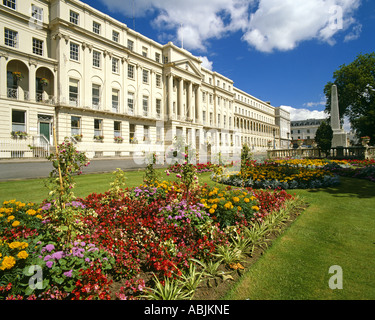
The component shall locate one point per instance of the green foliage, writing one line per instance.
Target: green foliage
(324, 136)
(356, 87)
(246, 154)
(118, 183)
(151, 176)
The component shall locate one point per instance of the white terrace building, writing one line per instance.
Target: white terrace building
(113, 91)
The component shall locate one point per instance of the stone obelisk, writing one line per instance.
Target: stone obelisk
(339, 136)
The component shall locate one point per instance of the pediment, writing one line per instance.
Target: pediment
(187, 66)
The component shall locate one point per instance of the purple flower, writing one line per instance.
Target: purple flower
(47, 206)
(68, 273)
(57, 255)
(49, 264)
(48, 247)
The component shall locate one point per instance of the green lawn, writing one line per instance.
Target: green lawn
(337, 229)
(34, 190)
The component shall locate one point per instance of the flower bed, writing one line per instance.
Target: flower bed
(284, 175)
(123, 239)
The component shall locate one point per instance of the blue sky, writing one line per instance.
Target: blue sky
(283, 51)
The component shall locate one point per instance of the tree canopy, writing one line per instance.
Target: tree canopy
(356, 88)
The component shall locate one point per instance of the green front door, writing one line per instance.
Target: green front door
(44, 129)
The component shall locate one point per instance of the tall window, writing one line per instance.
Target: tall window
(74, 51)
(11, 38)
(117, 128)
(145, 105)
(96, 57)
(157, 56)
(132, 133)
(158, 80)
(18, 120)
(75, 125)
(95, 96)
(37, 13)
(37, 47)
(10, 4)
(130, 102)
(146, 133)
(115, 65)
(74, 17)
(130, 45)
(130, 71)
(144, 52)
(98, 127)
(145, 76)
(73, 92)
(158, 108)
(96, 27)
(115, 100)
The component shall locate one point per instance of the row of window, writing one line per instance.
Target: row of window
(76, 129)
(11, 40)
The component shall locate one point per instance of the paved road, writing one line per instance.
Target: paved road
(29, 169)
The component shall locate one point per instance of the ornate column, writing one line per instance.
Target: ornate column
(180, 98)
(170, 96)
(189, 94)
(198, 104)
(3, 74)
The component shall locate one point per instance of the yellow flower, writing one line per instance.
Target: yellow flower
(256, 208)
(10, 218)
(8, 263)
(246, 200)
(239, 208)
(31, 212)
(15, 223)
(22, 254)
(214, 206)
(228, 205)
(39, 216)
(211, 211)
(236, 199)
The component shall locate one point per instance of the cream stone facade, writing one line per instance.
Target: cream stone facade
(113, 91)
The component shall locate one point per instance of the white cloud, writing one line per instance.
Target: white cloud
(304, 114)
(267, 25)
(283, 24)
(206, 63)
(355, 34)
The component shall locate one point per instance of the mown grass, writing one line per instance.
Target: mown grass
(34, 190)
(336, 229)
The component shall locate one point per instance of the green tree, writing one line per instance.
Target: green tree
(356, 87)
(323, 137)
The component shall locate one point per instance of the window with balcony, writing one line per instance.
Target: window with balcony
(37, 13)
(37, 47)
(74, 17)
(74, 51)
(11, 38)
(75, 126)
(73, 92)
(18, 121)
(95, 96)
(130, 103)
(96, 27)
(12, 86)
(115, 100)
(10, 4)
(96, 57)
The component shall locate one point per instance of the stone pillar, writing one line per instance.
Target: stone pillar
(180, 98)
(198, 105)
(3, 75)
(339, 136)
(189, 94)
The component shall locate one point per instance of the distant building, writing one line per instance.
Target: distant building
(305, 130)
(283, 122)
